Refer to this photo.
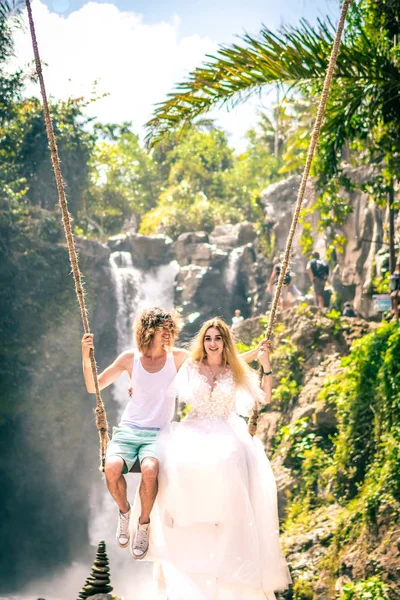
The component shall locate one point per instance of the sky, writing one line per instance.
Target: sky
(135, 51)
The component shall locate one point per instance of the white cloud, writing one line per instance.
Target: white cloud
(136, 63)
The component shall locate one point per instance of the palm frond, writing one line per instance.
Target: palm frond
(10, 8)
(296, 57)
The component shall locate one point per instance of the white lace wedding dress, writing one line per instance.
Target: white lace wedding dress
(214, 529)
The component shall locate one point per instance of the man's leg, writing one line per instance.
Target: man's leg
(148, 487)
(116, 482)
(148, 492)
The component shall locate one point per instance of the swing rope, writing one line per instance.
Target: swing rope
(253, 421)
(101, 416)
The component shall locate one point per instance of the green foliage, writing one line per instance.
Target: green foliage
(123, 181)
(202, 184)
(303, 588)
(298, 439)
(380, 283)
(369, 589)
(25, 157)
(335, 315)
(359, 465)
(368, 400)
(287, 363)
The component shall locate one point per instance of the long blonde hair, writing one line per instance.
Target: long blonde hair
(230, 355)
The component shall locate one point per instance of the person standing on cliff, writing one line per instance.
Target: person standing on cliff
(151, 369)
(318, 273)
(284, 300)
(236, 320)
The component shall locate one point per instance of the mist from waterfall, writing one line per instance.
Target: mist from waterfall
(135, 290)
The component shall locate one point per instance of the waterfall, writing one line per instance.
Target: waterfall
(231, 270)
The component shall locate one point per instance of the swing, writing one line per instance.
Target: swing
(101, 417)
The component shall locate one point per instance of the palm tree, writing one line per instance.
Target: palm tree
(367, 78)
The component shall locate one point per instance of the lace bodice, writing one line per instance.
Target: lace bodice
(206, 402)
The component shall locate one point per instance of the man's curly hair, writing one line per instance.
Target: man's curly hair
(151, 320)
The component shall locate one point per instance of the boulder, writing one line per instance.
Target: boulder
(193, 237)
(285, 484)
(230, 236)
(149, 250)
(118, 243)
(268, 426)
(95, 252)
(325, 416)
(248, 330)
(199, 253)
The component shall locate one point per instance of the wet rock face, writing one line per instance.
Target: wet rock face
(231, 236)
(218, 274)
(278, 200)
(351, 271)
(146, 250)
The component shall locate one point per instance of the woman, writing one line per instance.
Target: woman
(215, 528)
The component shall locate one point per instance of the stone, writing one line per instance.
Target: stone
(118, 242)
(98, 582)
(325, 416)
(96, 252)
(199, 254)
(149, 250)
(231, 236)
(249, 329)
(193, 237)
(285, 483)
(267, 427)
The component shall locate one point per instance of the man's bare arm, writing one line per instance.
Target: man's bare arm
(110, 374)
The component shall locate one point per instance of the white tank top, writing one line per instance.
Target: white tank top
(152, 405)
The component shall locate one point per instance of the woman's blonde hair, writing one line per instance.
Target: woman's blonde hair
(151, 320)
(230, 355)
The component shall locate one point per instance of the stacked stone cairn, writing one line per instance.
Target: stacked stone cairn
(98, 581)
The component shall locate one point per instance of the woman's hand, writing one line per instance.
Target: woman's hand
(263, 355)
(87, 345)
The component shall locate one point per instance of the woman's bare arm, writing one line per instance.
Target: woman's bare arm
(264, 359)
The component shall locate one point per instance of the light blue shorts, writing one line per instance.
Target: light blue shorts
(132, 445)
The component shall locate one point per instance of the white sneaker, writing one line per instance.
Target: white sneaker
(140, 543)
(123, 529)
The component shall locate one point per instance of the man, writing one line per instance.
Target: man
(151, 368)
(318, 273)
